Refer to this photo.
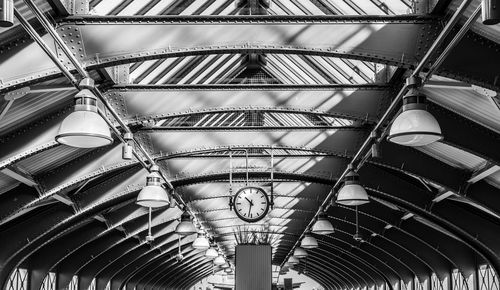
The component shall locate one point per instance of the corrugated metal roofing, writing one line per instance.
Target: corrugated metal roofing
(51, 159)
(228, 7)
(491, 32)
(26, 13)
(7, 183)
(453, 156)
(467, 102)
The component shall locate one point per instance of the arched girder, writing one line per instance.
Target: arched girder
(226, 36)
(192, 260)
(320, 272)
(91, 250)
(331, 269)
(409, 248)
(189, 282)
(325, 260)
(54, 253)
(178, 271)
(127, 264)
(400, 189)
(412, 237)
(148, 270)
(322, 280)
(436, 171)
(367, 256)
(405, 257)
(151, 270)
(125, 258)
(358, 260)
(108, 264)
(41, 261)
(358, 102)
(326, 276)
(464, 236)
(139, 121)
(190, 180)
(59, 227)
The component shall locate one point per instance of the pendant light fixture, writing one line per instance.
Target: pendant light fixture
(211, 253)
(415, 126)
(84, 128)
(219, 260)
(293, 260)
(7, 13)
(153, 195)
(186, 226)
(225, 265)
(491, 12)
(201, 242)
(309, 242)
(299, 253)
(322, 226)
(352, 193)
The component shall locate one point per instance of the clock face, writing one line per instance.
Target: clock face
(251, 204)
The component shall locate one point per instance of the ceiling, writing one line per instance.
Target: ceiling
(184, 77)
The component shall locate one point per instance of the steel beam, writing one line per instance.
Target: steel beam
(352, 104)
(370, 42)
(319, 128)
(253, 19)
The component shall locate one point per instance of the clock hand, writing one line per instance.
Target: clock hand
(249, 209)
(251, 203)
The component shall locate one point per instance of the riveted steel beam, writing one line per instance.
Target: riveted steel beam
(245, 87)
(65, 223)
(428, 199)
(104, 264)
(252, 128)
(370, 42)
(252, 19)
(139, 120)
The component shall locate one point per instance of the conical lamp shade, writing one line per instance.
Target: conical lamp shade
(211, 253)
(415, 126)
(293, 260)
(201, 242)
(299, 253)
(219, 260)
(309, 242)
(84, 128)
(352, 193)
(153, 195)
(322, 226)
(186, 226)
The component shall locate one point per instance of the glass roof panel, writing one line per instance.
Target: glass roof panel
(227, 7)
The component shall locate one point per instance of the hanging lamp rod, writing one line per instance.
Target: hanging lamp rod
(364, 151)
